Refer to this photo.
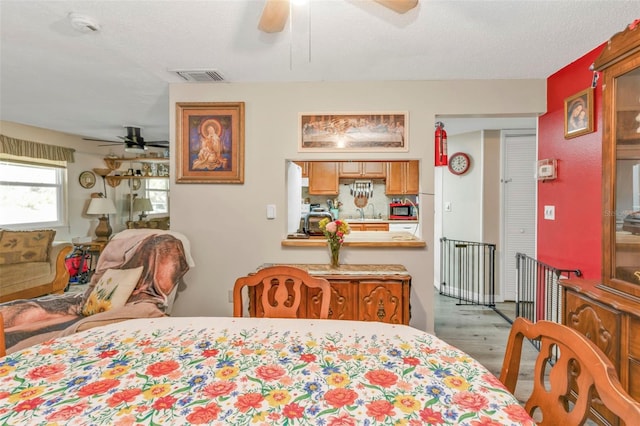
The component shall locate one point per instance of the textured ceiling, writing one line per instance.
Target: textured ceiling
(91, 84)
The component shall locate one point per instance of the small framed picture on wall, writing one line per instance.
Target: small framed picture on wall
(578, 114)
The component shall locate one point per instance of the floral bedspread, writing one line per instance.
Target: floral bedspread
(249, 371)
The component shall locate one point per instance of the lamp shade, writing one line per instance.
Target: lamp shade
(101, 206)
(142, 205)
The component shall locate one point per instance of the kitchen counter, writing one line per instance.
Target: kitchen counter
(363, 239)
(370, 220)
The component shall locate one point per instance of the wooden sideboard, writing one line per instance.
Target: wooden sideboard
(358, 292)
(612, 321)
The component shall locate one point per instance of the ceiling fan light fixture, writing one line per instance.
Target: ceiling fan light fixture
(82, 23)
(135, 149)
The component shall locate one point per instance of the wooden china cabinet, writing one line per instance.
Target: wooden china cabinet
(608, 311)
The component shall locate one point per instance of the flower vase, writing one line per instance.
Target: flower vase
(335, 255)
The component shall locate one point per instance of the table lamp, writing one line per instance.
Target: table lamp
(104, 207)
(142, 205)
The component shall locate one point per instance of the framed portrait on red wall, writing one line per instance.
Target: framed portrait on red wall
(578, 114)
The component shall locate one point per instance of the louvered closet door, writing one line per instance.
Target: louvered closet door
(519, 204)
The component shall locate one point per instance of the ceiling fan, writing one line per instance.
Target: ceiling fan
(275, 13)
(133, 142)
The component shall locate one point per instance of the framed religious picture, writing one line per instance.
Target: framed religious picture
(353, 132)
(210, 142)
(578, 114)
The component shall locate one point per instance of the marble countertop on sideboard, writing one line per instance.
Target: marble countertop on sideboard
(346, 269)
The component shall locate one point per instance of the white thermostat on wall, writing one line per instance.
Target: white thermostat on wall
(546, 169)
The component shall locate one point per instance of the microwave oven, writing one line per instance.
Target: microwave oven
(400, 211)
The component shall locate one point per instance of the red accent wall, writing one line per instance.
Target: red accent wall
(573, 239)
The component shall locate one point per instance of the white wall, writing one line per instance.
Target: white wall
(463, 192)
(230, 235)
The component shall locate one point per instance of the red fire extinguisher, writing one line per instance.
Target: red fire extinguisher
(440, 145)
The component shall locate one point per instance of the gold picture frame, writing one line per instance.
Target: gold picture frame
(210, 142)
(353, 132)
(578, 114)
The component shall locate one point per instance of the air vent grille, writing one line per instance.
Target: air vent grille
(200, 75)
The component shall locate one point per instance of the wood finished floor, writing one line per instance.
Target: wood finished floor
(482, 333)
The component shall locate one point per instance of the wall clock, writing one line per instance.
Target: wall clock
(459, 163)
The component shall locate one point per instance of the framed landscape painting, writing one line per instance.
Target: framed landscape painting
(354, 131)
(210, 142)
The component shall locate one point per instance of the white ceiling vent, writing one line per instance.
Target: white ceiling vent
(200, 75)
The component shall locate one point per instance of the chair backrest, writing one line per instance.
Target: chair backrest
(3, 349)
(580, 369)
(286, 298)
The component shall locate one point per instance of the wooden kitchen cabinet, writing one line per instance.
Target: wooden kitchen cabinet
(323, 178)
(363, 169)
(608, 311)
(403, 178)
(381, 226)
(358, 292)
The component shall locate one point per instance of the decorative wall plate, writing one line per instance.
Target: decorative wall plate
(87, 179)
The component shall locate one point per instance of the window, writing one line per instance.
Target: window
(31, 195)
(157, 190)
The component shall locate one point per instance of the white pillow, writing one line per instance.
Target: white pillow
(112, 290)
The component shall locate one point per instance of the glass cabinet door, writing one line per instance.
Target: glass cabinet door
(621, 175)
(627, 131)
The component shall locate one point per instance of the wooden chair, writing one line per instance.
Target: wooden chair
(3, 349)
(580, 369)
(286, 298)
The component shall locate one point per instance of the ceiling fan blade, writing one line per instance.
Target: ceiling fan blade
(274, 16)
(158, 144)
(400, 6)
(133, 142)
(99, 140)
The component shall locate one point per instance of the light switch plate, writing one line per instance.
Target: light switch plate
(271, 211)
(550, 212)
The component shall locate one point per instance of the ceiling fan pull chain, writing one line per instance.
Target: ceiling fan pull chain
(309, 27)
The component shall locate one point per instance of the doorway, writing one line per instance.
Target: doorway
(519, 136)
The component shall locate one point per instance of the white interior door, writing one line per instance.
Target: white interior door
(518, 204)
